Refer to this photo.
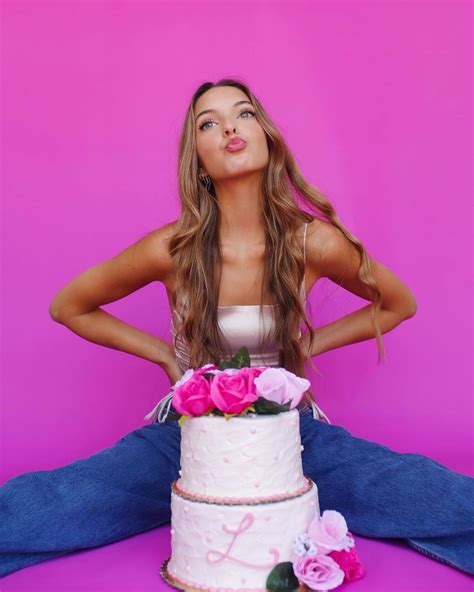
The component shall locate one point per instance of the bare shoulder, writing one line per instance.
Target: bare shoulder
(149, 256)
(154, 250)
(144, 261)
(328, 250)
(332, 255)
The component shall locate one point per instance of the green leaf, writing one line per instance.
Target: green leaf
(282, 578)
(241, 359)
(265, 407)
(223, 365)
(182, 419)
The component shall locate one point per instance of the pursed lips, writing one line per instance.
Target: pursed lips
(235, 145)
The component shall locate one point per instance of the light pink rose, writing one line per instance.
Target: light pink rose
(281, 386)
(233, 389)
(349, 562)
(329, 531)
(318, 572)
(192, 394)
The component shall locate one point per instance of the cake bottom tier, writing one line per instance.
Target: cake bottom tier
(216, 546)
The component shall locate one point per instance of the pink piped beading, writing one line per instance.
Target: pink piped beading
(230, 501)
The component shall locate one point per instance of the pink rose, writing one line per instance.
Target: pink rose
(329, 531)
(233, 389)
(281, 386)
(349, 562)
(192, 394)
(191, 371)
(318, 572)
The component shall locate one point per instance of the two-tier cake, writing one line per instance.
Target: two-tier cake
(239, 503)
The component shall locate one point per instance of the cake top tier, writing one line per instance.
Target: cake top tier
(245, 456)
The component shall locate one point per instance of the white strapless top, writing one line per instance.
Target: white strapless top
(240, 325)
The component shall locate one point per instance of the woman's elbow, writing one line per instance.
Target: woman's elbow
(410, 308)
(55, 312)
(60, 308)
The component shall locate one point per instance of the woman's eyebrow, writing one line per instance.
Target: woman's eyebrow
(214, 110)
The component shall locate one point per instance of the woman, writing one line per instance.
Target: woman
(241, 251)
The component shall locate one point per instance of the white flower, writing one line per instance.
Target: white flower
(349, 542)
(303, 545)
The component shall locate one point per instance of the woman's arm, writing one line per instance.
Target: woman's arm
(77, 304)
(330, 254)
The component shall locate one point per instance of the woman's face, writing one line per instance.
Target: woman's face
(227, 120)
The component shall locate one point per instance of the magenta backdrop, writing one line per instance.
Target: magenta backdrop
(375, 101)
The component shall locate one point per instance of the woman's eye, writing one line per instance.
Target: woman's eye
(205, 122)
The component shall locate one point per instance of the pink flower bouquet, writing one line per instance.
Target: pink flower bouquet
(230, 389)
(324, 557)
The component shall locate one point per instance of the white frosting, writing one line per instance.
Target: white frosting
(242, 457)
(236, 546)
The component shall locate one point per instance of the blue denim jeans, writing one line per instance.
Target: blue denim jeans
(126, 489)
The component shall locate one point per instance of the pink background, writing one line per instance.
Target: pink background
(374, 99)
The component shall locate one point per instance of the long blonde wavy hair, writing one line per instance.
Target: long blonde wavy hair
(196, 253)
